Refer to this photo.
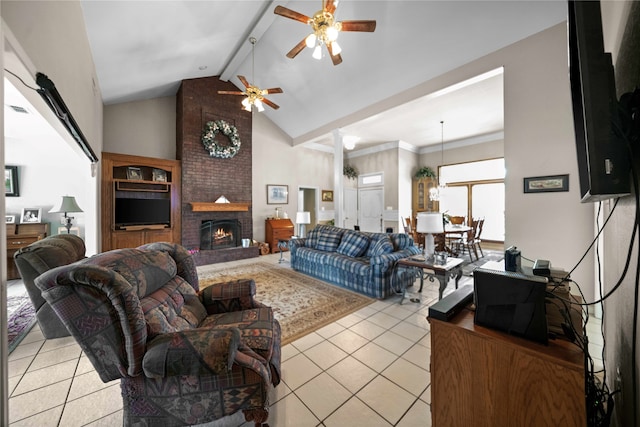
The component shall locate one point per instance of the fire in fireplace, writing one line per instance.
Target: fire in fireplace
(220, 234)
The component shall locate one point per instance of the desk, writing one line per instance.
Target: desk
(426, 269)
(485, 378)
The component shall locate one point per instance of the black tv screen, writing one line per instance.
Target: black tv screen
(603, 163)
(142, 212)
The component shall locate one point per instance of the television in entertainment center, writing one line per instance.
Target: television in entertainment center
(603, 161)
(137, 211)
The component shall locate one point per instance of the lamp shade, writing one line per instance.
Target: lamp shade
(303, 218)
(430, 223)
(68, 204)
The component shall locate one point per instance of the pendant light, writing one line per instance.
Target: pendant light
(434, 192)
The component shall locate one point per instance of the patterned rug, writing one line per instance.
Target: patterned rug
(21, 316)
(301, 303)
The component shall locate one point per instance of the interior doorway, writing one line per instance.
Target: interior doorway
(308, 202)
(371, 202)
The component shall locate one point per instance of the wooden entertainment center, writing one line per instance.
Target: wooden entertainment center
(143, 178)
(482, 377)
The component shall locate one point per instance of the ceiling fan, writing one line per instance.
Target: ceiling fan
(254, 95)
(325, 30)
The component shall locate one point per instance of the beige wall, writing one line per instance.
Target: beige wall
(144, 128)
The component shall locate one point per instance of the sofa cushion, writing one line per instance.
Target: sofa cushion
(353, 244)
(328, 241)
(382, 245)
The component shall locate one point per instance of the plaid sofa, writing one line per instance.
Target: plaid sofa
(356, 260)
(184, 356)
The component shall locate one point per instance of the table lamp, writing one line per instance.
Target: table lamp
(68, 205)
(429, 224)
(302, 218)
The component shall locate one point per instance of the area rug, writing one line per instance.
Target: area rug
(301, 303)
(468, 267)
(21, 316)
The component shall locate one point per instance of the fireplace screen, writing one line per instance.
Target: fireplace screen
(220, 234)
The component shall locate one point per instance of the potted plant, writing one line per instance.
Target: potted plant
(425, 172)
(350, 172)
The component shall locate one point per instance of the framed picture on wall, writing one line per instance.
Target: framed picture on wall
(11, 181)
(546, 184)
(31, 215)
(277, 194)
(327, 195)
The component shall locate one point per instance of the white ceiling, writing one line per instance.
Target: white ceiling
(143, 49)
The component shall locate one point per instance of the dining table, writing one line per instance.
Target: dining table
(450, 231)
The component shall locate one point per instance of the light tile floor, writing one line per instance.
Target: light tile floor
(370, 368)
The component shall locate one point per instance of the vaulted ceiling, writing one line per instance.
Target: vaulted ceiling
(143, 49)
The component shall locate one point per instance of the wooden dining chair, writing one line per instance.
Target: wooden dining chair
(466, 243)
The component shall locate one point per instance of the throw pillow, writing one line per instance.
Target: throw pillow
(382, 246)
(401, 241)
(312, 239)
(353, 244)
(328, 241)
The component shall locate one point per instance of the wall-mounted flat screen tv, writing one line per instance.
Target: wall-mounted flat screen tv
(129, 212)
(603, 162)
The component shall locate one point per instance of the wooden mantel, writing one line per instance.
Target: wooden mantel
(219, 207)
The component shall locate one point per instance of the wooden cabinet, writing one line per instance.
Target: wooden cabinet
(140, 201)
(19, 236)
(420, 196)
(277, 229)
(482, 377)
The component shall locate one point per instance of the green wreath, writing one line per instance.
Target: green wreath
(211, 129)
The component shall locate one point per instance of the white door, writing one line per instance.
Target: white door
(350, 207)
(371, 209)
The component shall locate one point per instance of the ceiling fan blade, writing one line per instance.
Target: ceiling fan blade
(366, 26)
(329, 6)
(297, 49)
(291, 14)
(244, 81)
(270, 104)
(272, 90)
(230, 92)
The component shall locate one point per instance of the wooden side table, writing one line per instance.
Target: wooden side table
(427, 269)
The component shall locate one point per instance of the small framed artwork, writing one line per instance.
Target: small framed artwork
(134, 173)
(159, 175)
(327, 195)
(546, 184)
(31, 215)
(10, 219)
(277, 194)
(11, 181)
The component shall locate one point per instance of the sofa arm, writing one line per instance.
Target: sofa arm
(294, 244)
(201, 351)
(387, 261)
(225, 297)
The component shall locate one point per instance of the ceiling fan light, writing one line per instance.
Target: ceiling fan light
(335, 48)
(311, 40)
(317, 52)
(332, 34)
(259, 105)
(246, 104)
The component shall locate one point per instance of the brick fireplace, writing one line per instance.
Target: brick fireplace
(206, 178)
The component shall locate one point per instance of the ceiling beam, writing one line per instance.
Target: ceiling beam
(243, 49)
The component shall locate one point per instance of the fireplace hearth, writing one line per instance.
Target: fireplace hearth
(220, 234)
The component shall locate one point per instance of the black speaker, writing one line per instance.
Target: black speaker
(512, 259)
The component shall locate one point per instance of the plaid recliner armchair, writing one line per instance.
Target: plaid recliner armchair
(183, 356)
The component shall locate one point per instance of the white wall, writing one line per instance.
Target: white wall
(61, 52)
